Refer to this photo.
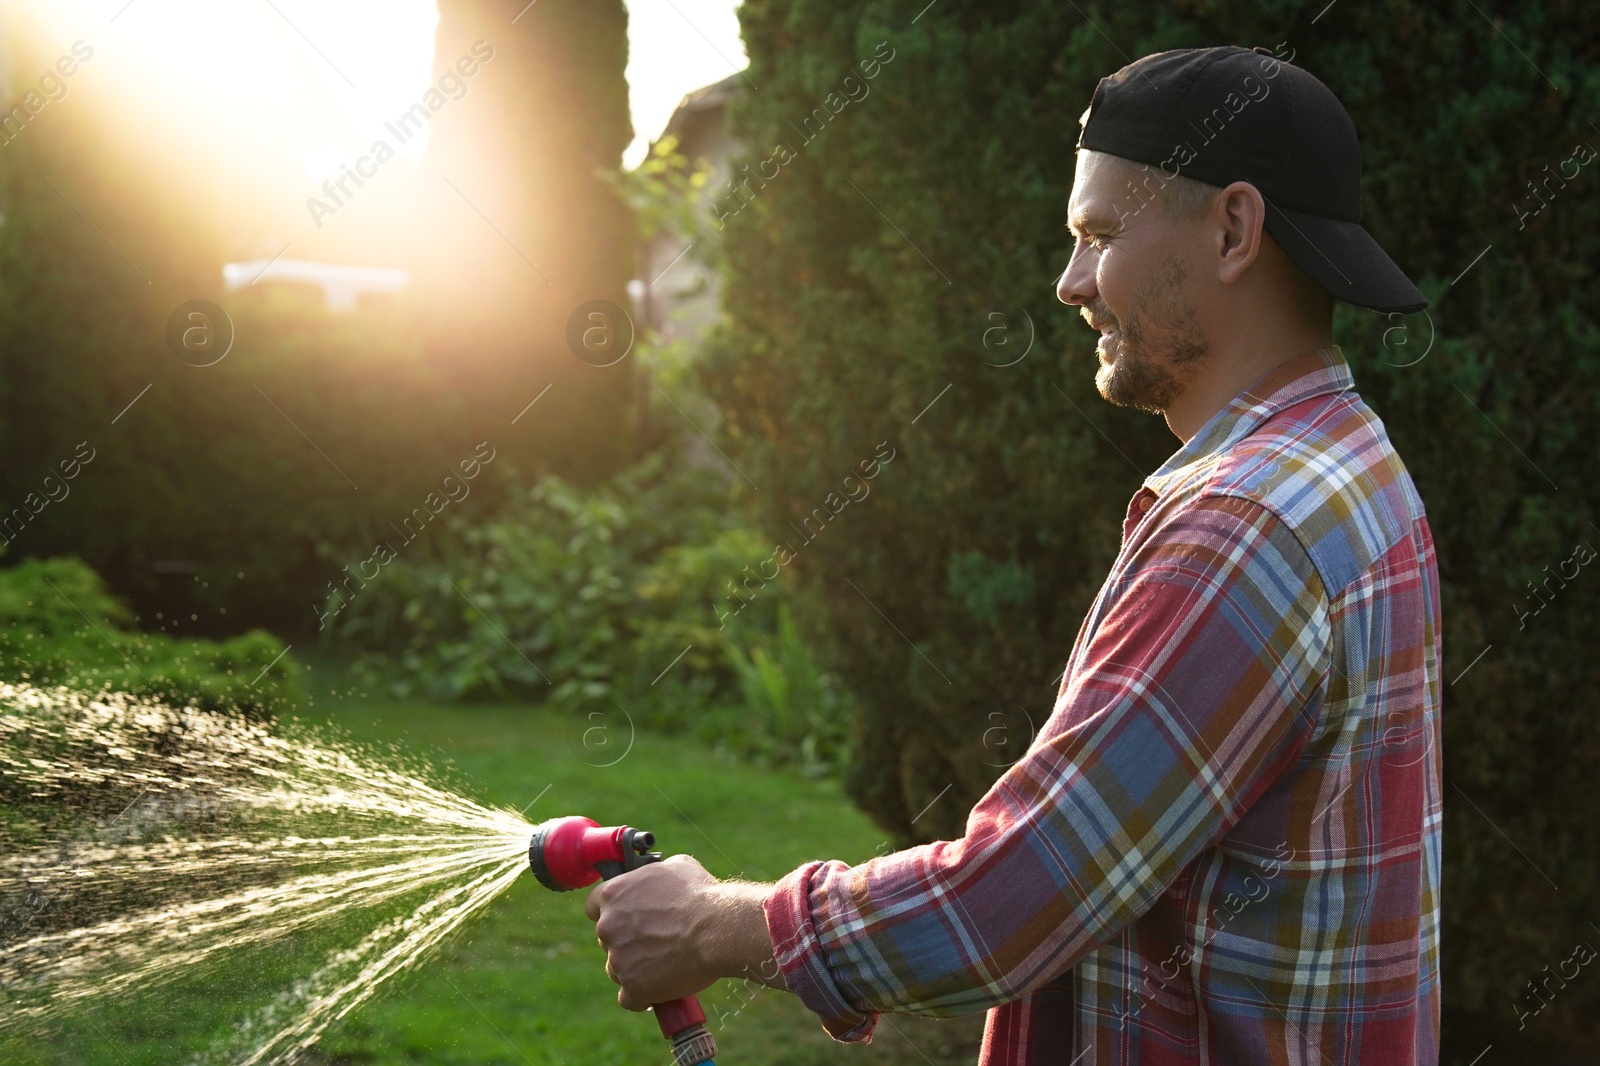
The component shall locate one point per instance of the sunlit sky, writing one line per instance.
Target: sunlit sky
(674, 48)
(342, 68)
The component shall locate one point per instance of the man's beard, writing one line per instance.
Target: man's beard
(1158, 346)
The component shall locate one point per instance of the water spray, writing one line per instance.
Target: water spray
(575, 852)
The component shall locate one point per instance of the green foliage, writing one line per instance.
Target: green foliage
(613, 599)
(60, 626)
(664, 191)
(791, 704)
(912, 235)
(988, 589)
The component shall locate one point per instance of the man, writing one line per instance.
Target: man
(1223, 846)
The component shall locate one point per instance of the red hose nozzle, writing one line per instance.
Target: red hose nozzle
(574, 852)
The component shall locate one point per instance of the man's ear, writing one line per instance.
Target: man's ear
(1240, 214)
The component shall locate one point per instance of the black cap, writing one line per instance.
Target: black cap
(1221, 115)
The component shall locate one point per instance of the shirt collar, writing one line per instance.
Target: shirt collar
(1314, 373)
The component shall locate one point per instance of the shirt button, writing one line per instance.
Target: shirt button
(1144, 503)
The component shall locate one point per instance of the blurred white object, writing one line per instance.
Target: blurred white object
(341, 285)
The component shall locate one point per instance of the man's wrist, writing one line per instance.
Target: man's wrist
(734, 940)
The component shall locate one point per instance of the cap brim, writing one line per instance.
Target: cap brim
(1343, 258)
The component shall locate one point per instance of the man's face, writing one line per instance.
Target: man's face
(1130, 274)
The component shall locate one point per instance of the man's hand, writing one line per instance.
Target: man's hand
(671, 929)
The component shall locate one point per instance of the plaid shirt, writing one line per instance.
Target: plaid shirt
(1223, 847)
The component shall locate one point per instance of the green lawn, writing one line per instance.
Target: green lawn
(524, 982)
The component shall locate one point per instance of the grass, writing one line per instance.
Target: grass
(524, 984)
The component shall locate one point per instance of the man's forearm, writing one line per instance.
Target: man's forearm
(734, 934)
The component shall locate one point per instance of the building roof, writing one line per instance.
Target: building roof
(690, 119)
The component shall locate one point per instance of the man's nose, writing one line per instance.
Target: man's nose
(1076, 285)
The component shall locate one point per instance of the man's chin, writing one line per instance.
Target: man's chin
(1104, 384)
(1111, 381)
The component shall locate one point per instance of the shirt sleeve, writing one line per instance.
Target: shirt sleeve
(1198, 688)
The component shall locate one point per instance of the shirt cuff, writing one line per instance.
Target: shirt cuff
(800, 955)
